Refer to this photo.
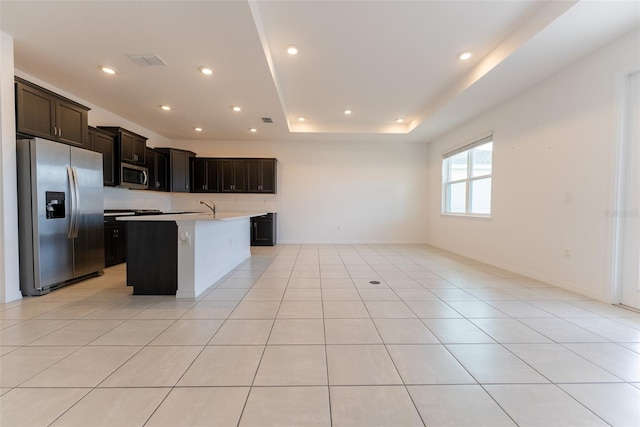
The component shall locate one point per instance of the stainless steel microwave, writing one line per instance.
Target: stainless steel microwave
(135, 177)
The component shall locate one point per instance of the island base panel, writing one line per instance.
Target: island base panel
(152, 251)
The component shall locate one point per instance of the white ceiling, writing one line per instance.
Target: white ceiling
(381, 59)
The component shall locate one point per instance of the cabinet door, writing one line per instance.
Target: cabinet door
(239, 175)
(71, 123)
(232, 176)
(35, 112)
(263, 230)
(268, 176)
(199, 175)
(204, 175)
(127, 142)
(139, 150)
(254, 175)
(180, 171)
(120, 243)
(226, 175)
(162, 172)
(150, 164)
(261, 175)
(109, 248)
(105, 144)
(213, 181)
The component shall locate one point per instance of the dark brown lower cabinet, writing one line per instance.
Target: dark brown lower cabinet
(152, 257)
(115, 242)
(263, 230)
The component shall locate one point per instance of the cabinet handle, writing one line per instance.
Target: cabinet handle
(135, 157)
(59, 132)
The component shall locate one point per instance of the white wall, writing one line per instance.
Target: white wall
(551, 179)
(9, 275)
(334, 192)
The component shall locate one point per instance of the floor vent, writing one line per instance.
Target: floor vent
(147, 59)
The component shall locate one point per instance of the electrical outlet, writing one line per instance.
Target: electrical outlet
(568, 253)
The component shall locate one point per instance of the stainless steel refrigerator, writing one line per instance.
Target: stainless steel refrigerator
(60, 214)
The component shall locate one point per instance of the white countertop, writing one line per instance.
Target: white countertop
(195, 216)
(119, 213)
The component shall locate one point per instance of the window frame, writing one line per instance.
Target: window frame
(468, 180)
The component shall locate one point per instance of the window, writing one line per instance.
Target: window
(466, 179)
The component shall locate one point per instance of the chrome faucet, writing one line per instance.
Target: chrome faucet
(212, 207)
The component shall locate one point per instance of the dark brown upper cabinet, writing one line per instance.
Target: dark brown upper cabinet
(179, 177)
(233, 175)
(45, 114)
(228, 175)
(130, 147)
(103, 142)
(204, 175)
(158, 166)
(261, 175)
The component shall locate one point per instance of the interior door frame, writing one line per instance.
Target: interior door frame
(617, 212)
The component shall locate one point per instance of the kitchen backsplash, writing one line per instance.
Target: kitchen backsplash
(226, 202)
(122, 198)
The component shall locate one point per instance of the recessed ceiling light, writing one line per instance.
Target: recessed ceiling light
(108, 70)
(165, 107)
(236, 108)
(302, 119)
(347, 112)
(198, 129)
(399, 120)
(464, 56)
(254, 130)
(292, 50)
(206, 71)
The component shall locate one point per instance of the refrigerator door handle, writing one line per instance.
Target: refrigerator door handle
(76, 227)
(72, 193)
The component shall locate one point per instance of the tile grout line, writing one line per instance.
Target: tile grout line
(404, 385)
(264, 349)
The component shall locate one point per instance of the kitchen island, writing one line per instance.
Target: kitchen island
(184, 254)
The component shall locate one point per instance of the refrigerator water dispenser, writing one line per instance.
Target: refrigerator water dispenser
(55, 204)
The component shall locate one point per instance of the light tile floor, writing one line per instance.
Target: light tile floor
(298, 335)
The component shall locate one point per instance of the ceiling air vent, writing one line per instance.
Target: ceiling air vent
(267, 120)
(147, 59)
